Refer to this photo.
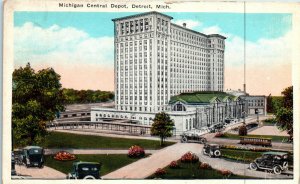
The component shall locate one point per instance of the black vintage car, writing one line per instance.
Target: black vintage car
(192, 136)
(85, 170)
(212, 150)
(13, 164)
(272, 161)
(32, 156)
(216, 128)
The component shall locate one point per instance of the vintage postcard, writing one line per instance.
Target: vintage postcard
(158, 91)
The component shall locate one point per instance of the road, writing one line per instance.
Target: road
(37, 173)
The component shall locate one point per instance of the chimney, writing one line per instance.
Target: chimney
(184, 25)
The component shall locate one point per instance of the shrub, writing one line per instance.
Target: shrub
(160, 172)
(205, 166)
(225, 173)
(219, 134)
(136, 152)
(174, 164)
(189, 157)
(243, 130)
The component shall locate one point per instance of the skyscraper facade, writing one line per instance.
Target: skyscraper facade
(156, 59)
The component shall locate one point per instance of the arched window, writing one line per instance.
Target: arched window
(179, 107)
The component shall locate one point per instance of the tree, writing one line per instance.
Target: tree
(284, 113)
(36, 99)
(243, 130)
(162, 126)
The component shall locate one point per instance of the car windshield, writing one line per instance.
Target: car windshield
(35, 151)
(86, 167)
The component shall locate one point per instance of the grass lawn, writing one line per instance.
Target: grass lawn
(274, 138)
(109, 162)
(68, 140)
(192, 171)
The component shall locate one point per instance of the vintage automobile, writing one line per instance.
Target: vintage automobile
(193, 136)
(212, 150)
(85, 170)
(216, 128)
(13, 164)
(272, 161)
(32, 156)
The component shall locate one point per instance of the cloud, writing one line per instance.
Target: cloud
(71, 52)
(191, 24)
(54, 44)
(268, 64)
(263, 52)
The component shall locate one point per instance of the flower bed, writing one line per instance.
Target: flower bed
(189, 157)
(225, 173)
(64, 156)
(174, 165)
(136, 152)
(205, 166)
(160, 172)
(244, 148)
(219, 134)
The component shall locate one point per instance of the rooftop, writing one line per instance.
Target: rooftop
(202, 97)
(155, 12)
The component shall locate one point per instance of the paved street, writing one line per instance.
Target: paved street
(37, 173)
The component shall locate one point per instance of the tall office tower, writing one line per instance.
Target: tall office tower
(156, 59)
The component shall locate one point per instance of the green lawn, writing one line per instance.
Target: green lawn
(68, 140)
(274, 138)
(192, 171)
(109, 162)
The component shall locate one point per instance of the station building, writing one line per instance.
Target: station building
(159, 66)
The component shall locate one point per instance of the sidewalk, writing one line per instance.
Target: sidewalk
(147, 166)
(92, 151)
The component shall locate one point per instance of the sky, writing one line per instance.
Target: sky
(79, 46)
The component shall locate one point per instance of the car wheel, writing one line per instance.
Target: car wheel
(184, 139)
(277, 169)
(41, 166)
(217, 153)
(285, 165)
(253, 166)
(89, 177)
(203, 140)
(205, 152)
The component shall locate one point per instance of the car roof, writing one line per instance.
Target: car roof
(213, 144)
(275, 153)
(80, 162)
(32, 147)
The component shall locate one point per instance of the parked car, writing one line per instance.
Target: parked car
(212, 150)
(32, 156)
(216, 128)
(13, 163)
(272, 161)
(193, 136)
(85, 170)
